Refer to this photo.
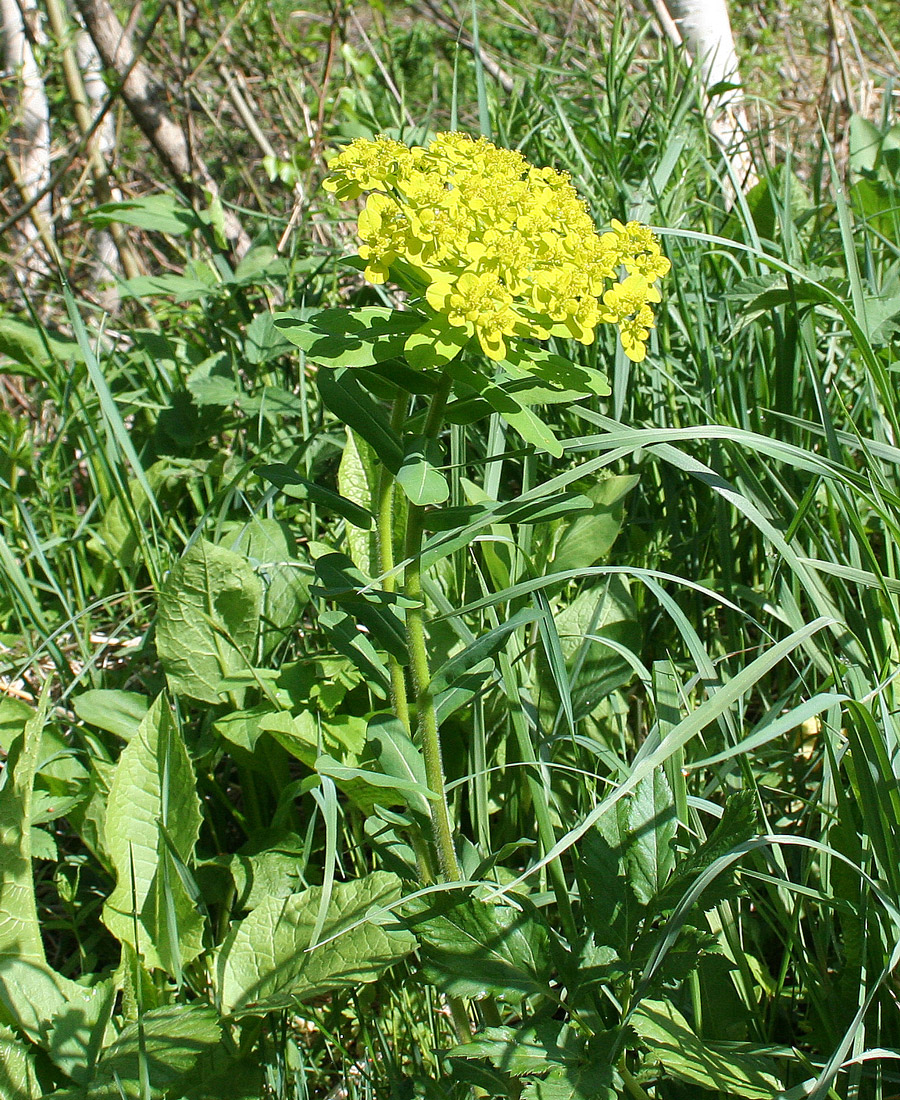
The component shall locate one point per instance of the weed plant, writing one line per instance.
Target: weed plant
(664, 651)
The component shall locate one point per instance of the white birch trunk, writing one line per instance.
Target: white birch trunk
(29, 148)
(705, 29)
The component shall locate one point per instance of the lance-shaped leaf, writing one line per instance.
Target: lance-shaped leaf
(265, 962)
(375, 609)
(354, 406)
(152, 823)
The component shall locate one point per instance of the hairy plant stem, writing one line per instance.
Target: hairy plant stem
(385, 527)
(420, 670)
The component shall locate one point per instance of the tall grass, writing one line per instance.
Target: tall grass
(737, 630)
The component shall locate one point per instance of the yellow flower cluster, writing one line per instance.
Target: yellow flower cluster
(505, 249)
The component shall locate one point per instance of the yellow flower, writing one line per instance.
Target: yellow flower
(505, 249)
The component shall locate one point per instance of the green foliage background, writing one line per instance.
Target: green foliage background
(665, 661)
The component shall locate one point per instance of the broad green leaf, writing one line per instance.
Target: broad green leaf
(267, 867)
(349, 337)
(263, 341)
(33, 348)
(531, 1048)
(555, 370)
(418, 475)
(306, 735)
(75, 1032)
(652, 823)
(737, 825)
(113, 710)
(472, 948)
(435, 344)
(672, 1044)
(31, 993)
(358, 477)
(20, 930)
(169, 1040)
(264, 963)
(209, 611)
(270, 548)
(183, 288)
(595, 670)
(587, 539)
(153, 796)
(585, 1082)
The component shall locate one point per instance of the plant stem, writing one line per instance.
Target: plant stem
(385, 529)
(420, 670)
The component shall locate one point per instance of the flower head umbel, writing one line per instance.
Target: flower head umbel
(505, 249)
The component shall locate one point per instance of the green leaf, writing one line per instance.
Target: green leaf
(737, 825)
(168, 1041)
(587, 539)
(672, 1044)
(354, 407)
(263, 341)
(152, 797)
(270, 547)
(294, 485)
(209, 610)
(20, 930)
(264, 963)
(531, 1048)
(473, 948)
(376, 609)
(555, 370)
(162, 213)
(435, 344)
(113, 710)
(75, 1032)
(652, 823)
(349, 337)
(31, 993)
(418, 475)
(358, 476)
(18, 1076)
(347, 638)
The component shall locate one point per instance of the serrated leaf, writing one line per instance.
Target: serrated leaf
(209, 610)
(472, 948)
(18, 1076)
(672, 1044)
(652, 822)
(737, 825)
(264, 963)
(153, 796)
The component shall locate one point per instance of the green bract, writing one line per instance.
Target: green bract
(505, 249)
